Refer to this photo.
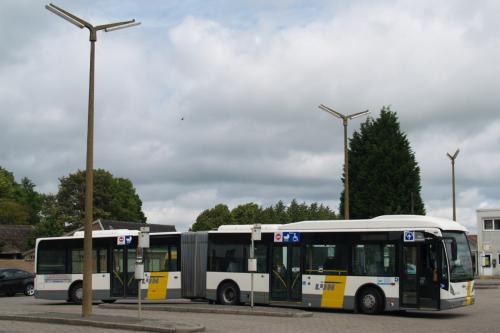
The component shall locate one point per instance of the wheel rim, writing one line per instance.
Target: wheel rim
(369, 301)
(30, 290)
(79, 294)
(229, 295)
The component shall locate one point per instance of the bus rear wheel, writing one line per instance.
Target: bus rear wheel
(370, 301)
(76, 293)
(229, 294)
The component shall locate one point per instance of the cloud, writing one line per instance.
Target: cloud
(198, 106)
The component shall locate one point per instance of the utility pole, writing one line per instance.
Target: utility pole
(452, 158)
(89, 171)
(345, 120)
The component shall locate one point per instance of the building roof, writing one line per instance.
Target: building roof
(13, 238)
(487, 210)
(112, 224)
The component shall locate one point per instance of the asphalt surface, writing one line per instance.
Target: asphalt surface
(481, 317)
(204, 307)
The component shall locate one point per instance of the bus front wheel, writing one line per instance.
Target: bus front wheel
(76, 293)
(229, 294)
(370, 301)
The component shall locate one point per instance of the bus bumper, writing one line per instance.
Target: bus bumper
(457, 302)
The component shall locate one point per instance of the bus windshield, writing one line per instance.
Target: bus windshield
(461, 266)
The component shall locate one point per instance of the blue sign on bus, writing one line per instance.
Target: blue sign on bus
(291, 237)
(124, 240)
(409, 236)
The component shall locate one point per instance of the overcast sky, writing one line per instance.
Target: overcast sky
(246, 77)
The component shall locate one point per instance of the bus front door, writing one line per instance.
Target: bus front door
(286, 276)
(419, 280)
(123, 283)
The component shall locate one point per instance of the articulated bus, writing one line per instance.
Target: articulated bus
(383, 264)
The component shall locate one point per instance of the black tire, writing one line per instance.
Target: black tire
(109, 301)
(76, 293)
(370, 301)
(29, 289)
(228, 294)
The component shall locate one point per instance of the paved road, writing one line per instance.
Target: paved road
(482, 317)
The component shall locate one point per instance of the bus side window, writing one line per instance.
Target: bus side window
(374, 259)
(52, 261)
(327, 259)
(227, 257)
(172, 263)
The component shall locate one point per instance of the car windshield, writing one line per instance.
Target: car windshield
(461, 267)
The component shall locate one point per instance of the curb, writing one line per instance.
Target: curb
(101, 324)
(485, 286)
(235, 311)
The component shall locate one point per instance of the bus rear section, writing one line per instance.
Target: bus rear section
(59, 267)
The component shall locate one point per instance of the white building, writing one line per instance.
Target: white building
(488, 241)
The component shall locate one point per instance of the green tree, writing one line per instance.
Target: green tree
(281, 214)
(298, 212)
(19, 203)
(12, 212)
(267, 216)
(251, 213)
(212, 218)
(31, 199)
(125, 204)
(51, 222)
(321, 212)
(246, 214)
(114, 198)
(383, 173)
(8, 185)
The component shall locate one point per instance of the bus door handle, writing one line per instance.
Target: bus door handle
(175, 277)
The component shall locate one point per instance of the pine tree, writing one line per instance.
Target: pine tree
(384, 177)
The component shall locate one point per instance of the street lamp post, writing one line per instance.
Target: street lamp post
(452, 158)
(345, 120)
(87, 241)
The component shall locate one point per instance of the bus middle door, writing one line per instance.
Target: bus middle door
(123, 283)
(286, 276)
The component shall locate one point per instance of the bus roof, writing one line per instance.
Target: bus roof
(386, 222)
(109, 233)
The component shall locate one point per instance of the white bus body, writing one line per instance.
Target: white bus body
(383, 264)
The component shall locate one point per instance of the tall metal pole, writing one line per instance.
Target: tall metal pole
(89, 168)
(346, 173)
(345, 120)
(89, 190)
(453, 158)
(453, 189)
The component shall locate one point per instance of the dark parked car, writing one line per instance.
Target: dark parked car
(13, 281)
